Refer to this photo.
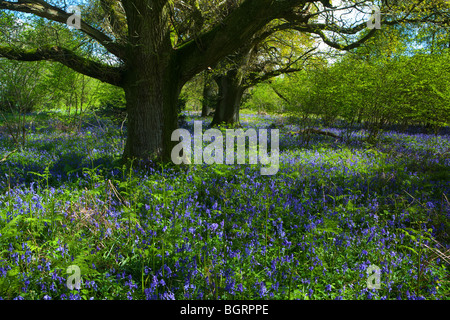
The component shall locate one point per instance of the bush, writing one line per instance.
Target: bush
(405, 90)
(262, 98)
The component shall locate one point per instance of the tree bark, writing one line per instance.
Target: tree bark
(229, 101)
(151, 83)
(152, 97)
(209, 95)
(231, 91)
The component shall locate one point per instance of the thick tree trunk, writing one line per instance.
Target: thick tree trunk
(229, 101)
(152, 86)
(152, 89)
(150, 123)
(205, 108)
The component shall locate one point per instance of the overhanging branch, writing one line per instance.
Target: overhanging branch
(108, 74)
(234, 32)
(253, 80)
(43, 9)
(333, 44)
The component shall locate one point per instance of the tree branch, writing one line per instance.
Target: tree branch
(268, 75)
(240, 25)
(114, 17)
(253, 80)
(45, 10)
(108, 74)
(279, 94)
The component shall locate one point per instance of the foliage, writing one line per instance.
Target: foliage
(406, 90)
(261, 98)
(192, 93)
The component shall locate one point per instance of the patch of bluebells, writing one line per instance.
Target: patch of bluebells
(327, 215)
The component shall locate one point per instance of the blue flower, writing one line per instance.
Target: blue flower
(168, 296)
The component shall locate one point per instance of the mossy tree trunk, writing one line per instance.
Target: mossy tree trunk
(231, 91)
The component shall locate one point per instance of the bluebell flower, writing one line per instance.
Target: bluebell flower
(168, 296)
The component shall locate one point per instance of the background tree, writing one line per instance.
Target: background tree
(271, 54)
(209, 93)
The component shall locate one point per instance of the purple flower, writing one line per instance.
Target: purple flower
(168, 296)
(213, 227)
(262, 290)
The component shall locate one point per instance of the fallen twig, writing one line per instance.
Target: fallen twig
(8, 155)
(317, 131)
